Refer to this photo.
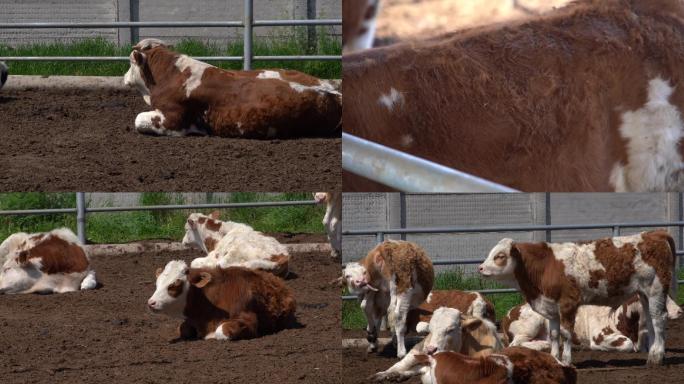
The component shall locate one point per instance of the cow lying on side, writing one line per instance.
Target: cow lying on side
(50, 262)
(511, 365)
(469, 303)
(229, 244)
(449, 330)
(556, 279)
(597, 327)
(225, 304)
(332, 221)
(4, 73)
(396, 270)
(190, 97)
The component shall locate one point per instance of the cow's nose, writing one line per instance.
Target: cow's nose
(480, 268)
(431, 349)
(151, 303)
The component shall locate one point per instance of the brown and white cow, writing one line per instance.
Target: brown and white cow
(574, 100)
(449, 330)
(230, 244)
(359, 18)
(332, 221)
(556, 278)
(49, 262)
(225, 304)
(511, 365)
(597, 327)
(190, 97)
(396, 271)
(468, 303)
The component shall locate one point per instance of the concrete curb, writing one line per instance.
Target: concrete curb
(23, 82)
(120, 249)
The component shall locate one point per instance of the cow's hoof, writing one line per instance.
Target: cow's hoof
(655, 359)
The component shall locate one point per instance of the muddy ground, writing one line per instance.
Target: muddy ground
(107, 335)
(68, 140)
(593, 366)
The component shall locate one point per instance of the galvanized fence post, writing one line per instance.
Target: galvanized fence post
(249, 33)
(616, 230)
(379, 237)
(80, 216)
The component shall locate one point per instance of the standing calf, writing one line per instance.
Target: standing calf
(556, 278)
(332, 221)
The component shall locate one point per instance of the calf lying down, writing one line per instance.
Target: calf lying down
(449, 330)
(190, 97)
(469, 303)
(49, 262)
(224, 304)
(599, 328)
(511, 365)
(230, 244)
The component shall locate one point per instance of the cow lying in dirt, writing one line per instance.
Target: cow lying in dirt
(449, 330)
(190, 97)
(50, 262)
(597, 327)
(225, 304)
(230, 244)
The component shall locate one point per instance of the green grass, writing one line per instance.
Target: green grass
(353, 317)
(142, 225)
(296, 45)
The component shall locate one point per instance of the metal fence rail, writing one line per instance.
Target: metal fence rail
(248, 23)
(81, 210)
(616, 227)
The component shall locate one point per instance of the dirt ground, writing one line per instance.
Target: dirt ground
(593, 366)
(406, 19)
(67, 140)
(107, 335)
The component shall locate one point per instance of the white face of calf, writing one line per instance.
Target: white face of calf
(19, 274)
(134, 77)
(172, 289)
(357, 279)
(196, 231)
(445, 331)
(499, 264)
(321, 197)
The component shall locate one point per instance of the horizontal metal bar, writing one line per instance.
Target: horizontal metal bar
(519, 228)
(202, 58)
(169, 24)
(406, 172)
(158, 207)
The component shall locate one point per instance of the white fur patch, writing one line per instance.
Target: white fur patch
(196, 71)
(145, 123)
(406, 140)
(652, 133)
(269, 75)
(392, 99)
(323, 87)
(579, 261)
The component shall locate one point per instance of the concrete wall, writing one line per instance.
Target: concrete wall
(155, 10)
(383, 211)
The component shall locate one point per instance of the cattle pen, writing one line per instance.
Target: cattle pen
(94, 144)
(108, 335)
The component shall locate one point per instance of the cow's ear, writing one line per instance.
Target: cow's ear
(22, 259)
(139, 58)
(423, 327)
(192, 223)
(158, 272)
(215, 215)
(201, 279)
(378, 260)
(470, 323)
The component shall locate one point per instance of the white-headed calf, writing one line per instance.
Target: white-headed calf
(332, 221)
(556, 278)
(50, 262)
(230, 244)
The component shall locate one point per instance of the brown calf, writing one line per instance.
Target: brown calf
(586, 98)
(468, 303)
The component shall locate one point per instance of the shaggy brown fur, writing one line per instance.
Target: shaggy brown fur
(249, 303)
(236, 103)
(56, 256)
(534, 105)
(400, 258)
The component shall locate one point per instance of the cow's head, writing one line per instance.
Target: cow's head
(20, 272)
(321, 197)
(500, 263)
(446, 330)
(201, 230)
(171, 289)
(357, 279)
(139, 75)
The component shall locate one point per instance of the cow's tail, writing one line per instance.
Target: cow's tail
(673, 283)
(4, 72)
(89, 281)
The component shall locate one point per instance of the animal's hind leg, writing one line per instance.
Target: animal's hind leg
(243, 326)
(160, 123)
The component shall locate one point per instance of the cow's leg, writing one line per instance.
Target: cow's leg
(554, 334)
(615, 342)
(186, 331)
(403, 369)
(244, 326)
(336, 240)
(166, 123)
(568, 312)
(368, 306)
(403, 304)
(656, 317)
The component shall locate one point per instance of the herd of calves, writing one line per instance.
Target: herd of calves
(235, 292)
(612, 294)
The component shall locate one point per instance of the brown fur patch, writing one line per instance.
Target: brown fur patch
(477, 342)
(175, 288)
(628, 321)
(202, 220)
(452, 367)
(530, 366)
(213, 225)
(402, 259)
(513, 315)
(460, 300)
(248, 303)
(210, 243)
(658, 250)
(57, 256)
(618, 342)
(618, 262)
